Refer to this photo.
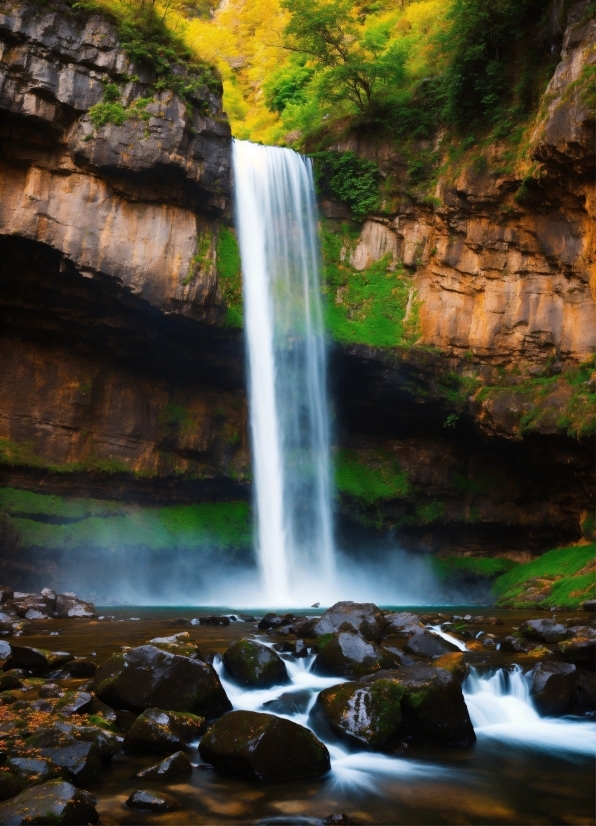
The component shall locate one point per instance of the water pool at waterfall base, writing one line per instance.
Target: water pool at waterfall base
(523, 769)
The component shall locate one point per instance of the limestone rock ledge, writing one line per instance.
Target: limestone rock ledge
(133, 201)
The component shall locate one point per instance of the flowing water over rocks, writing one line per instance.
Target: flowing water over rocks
(385, 767)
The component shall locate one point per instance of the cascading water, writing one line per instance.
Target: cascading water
(276, 220)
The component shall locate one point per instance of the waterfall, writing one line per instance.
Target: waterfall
(276, 220)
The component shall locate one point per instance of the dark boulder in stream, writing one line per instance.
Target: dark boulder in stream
(162, 731)
(403, 624)
(433, 706)
(147, 677)
(363, 618)
(369, 714)
(145, 800)
(427, 644)
(543, 630)
(253, 664)
(173, 766)
(264, 747)
(54, 802)
(350, 655)
(553, 687)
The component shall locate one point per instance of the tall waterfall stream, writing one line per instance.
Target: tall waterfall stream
(289, 422)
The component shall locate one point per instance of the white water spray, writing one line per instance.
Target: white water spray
(276, 219)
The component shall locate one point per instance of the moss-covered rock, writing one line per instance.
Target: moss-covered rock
(350, 655)
(253, 664)
(162, 732)
(263, 747)
(361, 617)
(367, 714)
(54, 802)
(147, 677)
(455, 663)
(433, 706)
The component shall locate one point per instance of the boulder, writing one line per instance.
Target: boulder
(366, 713)
(80, 668)
(147, 677)
(427, 644)
(552, 687)
(349, 655)
(588, 605)
(398, 656)
(9, 681)
(162, 731)
(54, 802)
(403, 624)
(584, 702)
(433, 706)
(80, 762)
(10, 784)
(580, 650)
(364, 618)
(173, 766)
(144, 800)
(289, 703)
(253, 664)
(65, 734)
(305, 628)
(52, 691)
(178, 644)
(6, 593)
(455, 663)
(214, 621)
(5, 652)
(34, 770)
(543, 630)
(300, 649)
(69, 607)
(38, 659)
(511, 643)
(74, 702)
(263, 747)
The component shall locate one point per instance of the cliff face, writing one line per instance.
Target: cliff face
(503, 260)
(121, 379)
(110, 365)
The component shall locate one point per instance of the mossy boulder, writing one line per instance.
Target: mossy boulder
(147, 677)
(162, 732)
(37, 659)
(368, 714)
(263, 747)
(455, 663)
(56, 802)
(543, 630)
(363, 618)
(62, 734)
(178, 644)
(433, 706)
(349, 655)
(253, 664)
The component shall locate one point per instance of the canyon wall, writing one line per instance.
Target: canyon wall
(121, 356)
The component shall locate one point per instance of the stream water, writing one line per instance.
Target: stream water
(523, 769)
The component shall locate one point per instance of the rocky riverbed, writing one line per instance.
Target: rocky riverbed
(178, 716)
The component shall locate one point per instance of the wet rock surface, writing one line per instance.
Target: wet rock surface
(53, 802)
(162, 731)
(147, 676)
(263, 747)
(553, 687)
(145, 800)
(349, 655)
(369, 715)
(427, 644)
(251, 663)
(173, 766)
(362, 618)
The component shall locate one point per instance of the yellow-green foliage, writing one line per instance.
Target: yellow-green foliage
(56, 522)
(561, 578)
(367, 307)
(371, 475)
(229, 275)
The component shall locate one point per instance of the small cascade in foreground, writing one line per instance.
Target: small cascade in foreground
(501, 708)
(276, 220)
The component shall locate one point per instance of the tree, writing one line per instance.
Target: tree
(352, 64)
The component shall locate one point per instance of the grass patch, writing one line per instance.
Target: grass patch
(377, 306)
(369, 475)
(561, 578)
(54, 523)
(457, 566)
(230, 276)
